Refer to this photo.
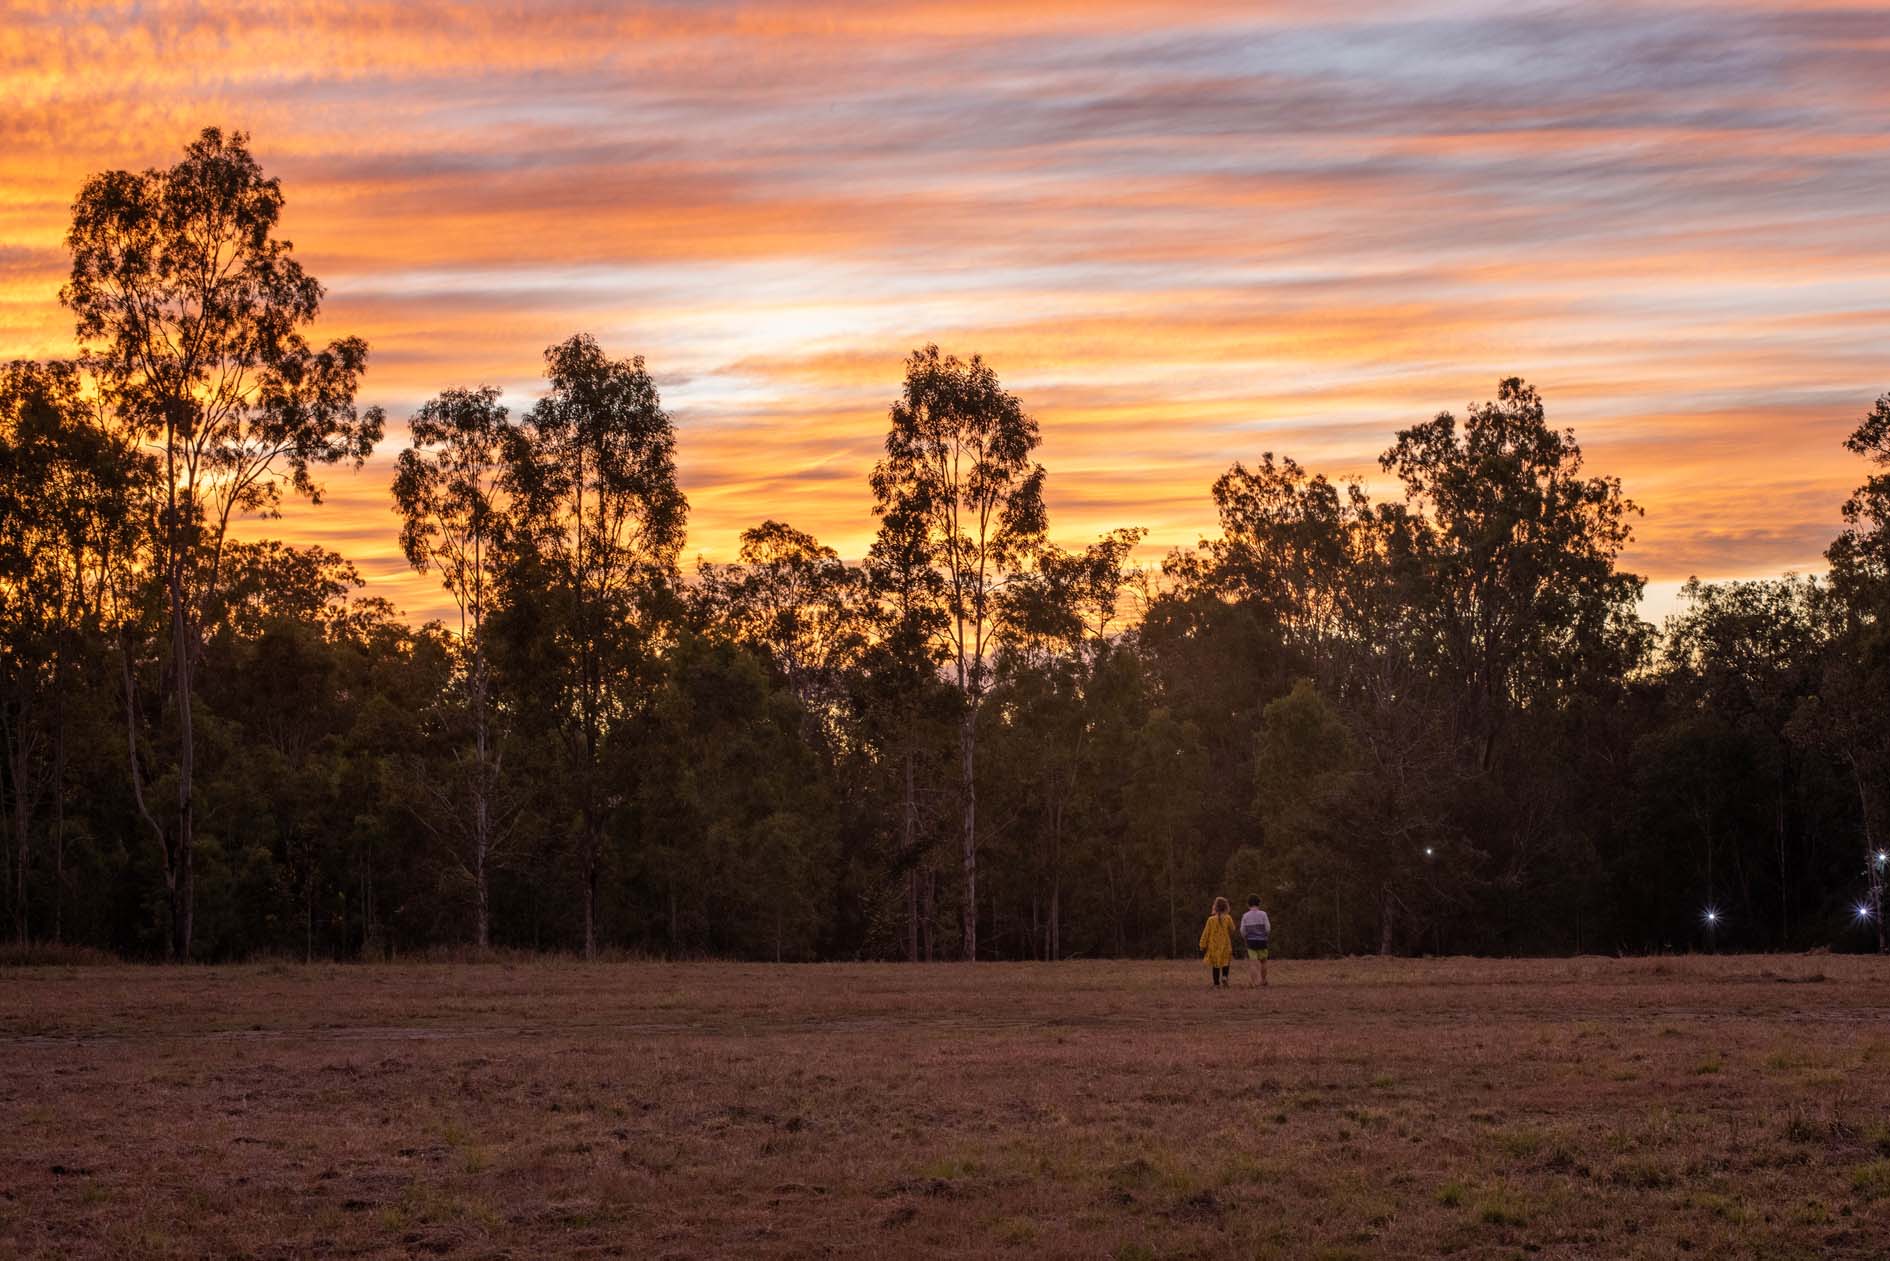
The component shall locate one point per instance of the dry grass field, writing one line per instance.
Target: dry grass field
(1592, 1107)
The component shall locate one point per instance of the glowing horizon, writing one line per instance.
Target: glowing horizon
(1181, 241)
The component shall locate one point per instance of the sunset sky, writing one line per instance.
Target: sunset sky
(1183, 240)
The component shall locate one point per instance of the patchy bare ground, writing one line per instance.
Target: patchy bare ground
(1593, 1107)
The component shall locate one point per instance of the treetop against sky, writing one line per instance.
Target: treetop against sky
(1181, 240)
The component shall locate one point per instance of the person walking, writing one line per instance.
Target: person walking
(1217, 943)
(1256, 929)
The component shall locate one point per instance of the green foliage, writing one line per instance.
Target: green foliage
(596, 527)
(191, 313)
(959, 496)
(741, 822)
(1432, 723)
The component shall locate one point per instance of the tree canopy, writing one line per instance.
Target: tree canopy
(1425, 721)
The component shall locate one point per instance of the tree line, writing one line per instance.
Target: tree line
(1433, 722)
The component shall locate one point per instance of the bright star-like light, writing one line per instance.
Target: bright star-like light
(1863, 910)
(1710, 915)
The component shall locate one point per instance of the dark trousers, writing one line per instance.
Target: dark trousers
(1220, 974)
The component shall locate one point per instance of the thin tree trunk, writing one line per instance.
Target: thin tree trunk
(367, 906)
(179, 874)
(1875, 870)
(1054, 950)
(482, 810)
(1872, 866)
(482, 915)
(59, 817)
(968, 755)
(22, 833)
(1174, 938)
(1784, 899)
(17, 742)
(137, 783)
(588, 851)
(930, 888)
(183, 883)
(590, 889)
(912, 881)
(13, 744)
(912, 915)
(482, 839)
(59, 870)
(1113, 871)
(483, 925)
(587, 704)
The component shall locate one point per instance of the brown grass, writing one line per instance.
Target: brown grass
(41, 954)
(1594, 1107)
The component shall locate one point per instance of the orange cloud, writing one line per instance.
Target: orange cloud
(1184, 238)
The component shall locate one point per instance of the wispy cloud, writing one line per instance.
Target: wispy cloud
(1183, 238)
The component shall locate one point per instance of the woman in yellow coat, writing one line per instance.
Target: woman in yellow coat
(1217, 942)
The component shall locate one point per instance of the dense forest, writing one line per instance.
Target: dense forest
(1429, 723)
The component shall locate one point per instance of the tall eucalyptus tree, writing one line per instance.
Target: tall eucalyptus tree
(447, 489)
(960, 481)
(598, 520)
(192, 312)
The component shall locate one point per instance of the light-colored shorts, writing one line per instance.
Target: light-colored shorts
(1257, 952)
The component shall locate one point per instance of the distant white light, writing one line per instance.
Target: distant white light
(1863, 910)
(1428, 851)
(1711, 915)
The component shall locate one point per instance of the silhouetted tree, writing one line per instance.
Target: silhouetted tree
(797, 600)
(1288, 546)
(958, 480)
(1749, 654)
(599, 522)
(191, 311)
(1431, 722)
(1167, 772)
(898, 692)
(1512, 574)
(67, 485)
(1054, 629)
(737, 805)
(1860, 555)
(453, 519)
(1848, 716)
(278, 802)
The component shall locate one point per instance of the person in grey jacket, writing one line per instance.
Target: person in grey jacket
(1256, 930)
